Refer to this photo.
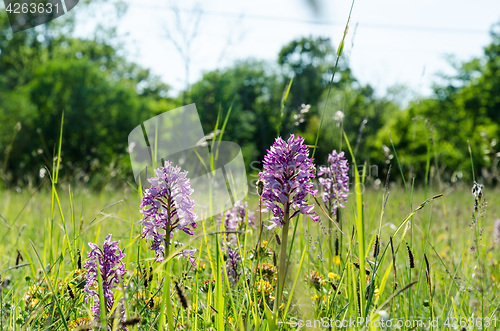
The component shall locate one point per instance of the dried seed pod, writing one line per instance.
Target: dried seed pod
(19, 257)
(70, 292)
(182, 297)
(132, 321)
(376, 247)
(79, 263)
(260, 187)
(336, 245)
(411, 260)
(428, 275)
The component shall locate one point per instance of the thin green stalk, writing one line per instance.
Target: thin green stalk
(293, 234)
(360, 227)
(282, 260)
(1, 309)
(102, 303)
(478, 244)
(283, 100)
(294, 283)
(257, 249)
(339, 54)
(17, 128)
(47, 279)
(219, 297)
(166, 289)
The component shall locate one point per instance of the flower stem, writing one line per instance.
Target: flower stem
(330, 235)
(170, 318)
(166, 290)
(257, 247)
(282, 260)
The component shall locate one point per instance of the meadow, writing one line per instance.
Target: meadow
(448, 282)
(310, 248)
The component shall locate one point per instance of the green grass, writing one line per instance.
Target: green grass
(462, 285)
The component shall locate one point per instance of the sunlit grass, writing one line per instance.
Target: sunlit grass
(442, 231)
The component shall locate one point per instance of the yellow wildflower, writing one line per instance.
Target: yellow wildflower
(336, 260)
(333, 275)
(78, 323)
(376, 293)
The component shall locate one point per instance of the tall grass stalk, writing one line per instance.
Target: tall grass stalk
(283, 101)
(360, 228)
(479, 249)
(17, 128)
(166, 296)
(54, 294)
(339, 54)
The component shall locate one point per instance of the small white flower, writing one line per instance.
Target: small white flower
(304, 108)
(339, 116)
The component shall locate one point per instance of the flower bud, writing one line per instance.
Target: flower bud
(260, 187)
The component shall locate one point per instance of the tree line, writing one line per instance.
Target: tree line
(104, 96)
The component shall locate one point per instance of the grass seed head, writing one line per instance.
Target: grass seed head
(19, 258)
(428, 275)
(411, 260)
(70, 292)
(376, 247)
(336, 245)
(132, 321)
(182, 297)
(79, 261)
(260, 187)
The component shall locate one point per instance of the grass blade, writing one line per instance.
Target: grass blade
(54, 294)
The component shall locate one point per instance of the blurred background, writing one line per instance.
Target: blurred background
(424, 76)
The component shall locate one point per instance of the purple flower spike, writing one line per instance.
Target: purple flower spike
(235, 218)
(335, 182)
(232, 262)
(189, 254)
(112, 270)
(167, 206)
(287, 175)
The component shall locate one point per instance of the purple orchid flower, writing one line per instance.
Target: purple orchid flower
(335, 182)
(109, 260)
(287, 175)
(167, 206)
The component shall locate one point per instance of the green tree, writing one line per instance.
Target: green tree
(254, 91)
(103, 96)
(464, 109)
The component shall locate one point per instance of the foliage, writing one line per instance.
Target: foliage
(465, 109)
(102, 95)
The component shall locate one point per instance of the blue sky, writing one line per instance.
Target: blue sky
(393, 43)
